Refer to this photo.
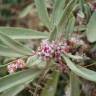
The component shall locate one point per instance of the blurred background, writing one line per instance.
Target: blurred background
(21, 13)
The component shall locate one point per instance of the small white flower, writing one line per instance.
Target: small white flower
(77, 41)
(80, 14)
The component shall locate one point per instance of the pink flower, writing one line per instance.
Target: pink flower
(18, 64)
(53, 49)
(45, 50)
(11, 68)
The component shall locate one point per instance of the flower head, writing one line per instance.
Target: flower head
(53, 49)
(45, 50)
(76, 41)
(17, 64)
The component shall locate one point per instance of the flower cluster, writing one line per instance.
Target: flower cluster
(76, 41)
(49, 50)
(46, 50)
(15, 65)
(53, 50)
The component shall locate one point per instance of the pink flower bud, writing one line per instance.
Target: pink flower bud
(17, 64)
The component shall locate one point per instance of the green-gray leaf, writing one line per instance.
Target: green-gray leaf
(80, 71)
(82, 5)
(57, 11)
(75, 57)
(25, 11)
(71, 4)
(53, 34)
(91, 28)
(70, 27)
(23, 33)
(51, 85)
(17, 78)
(13, 91)
(74, 85)
(5, 51)
(14, 45)
(42, 11)
(16, 89)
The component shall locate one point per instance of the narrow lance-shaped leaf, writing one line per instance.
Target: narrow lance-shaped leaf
(16, 89)
(70, 26)
(25, 11)
(67, 10)
(87, 11)
(23, 33)
(80, 71)
(53, 34)
(3, 70)
(18, 78)
(51, 85)
(14, 45)
(3, 66)
(91, 28)
(82, 5)
(57, 11)
(13, 91)
(66, 14)
(5, 51)
(42, 11)
(74, 85)
(74, 57)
